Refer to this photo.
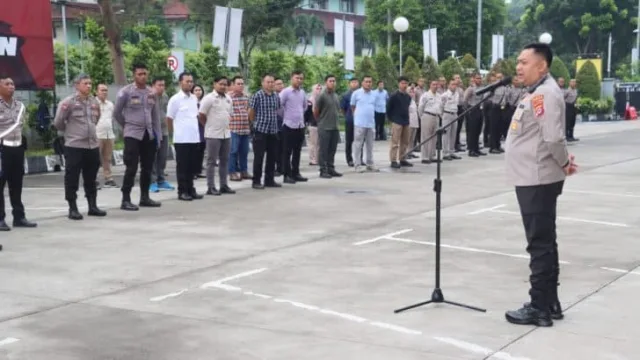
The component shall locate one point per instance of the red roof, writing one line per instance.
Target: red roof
(328, 17)
(176, 10)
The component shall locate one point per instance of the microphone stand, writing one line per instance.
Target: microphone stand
(437, 296)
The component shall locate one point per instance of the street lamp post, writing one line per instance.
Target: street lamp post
(401, 25)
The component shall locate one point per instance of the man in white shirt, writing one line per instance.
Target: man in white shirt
(182, 119)
(106, 136)
(430, 110)
(450, 100)
(216, 109)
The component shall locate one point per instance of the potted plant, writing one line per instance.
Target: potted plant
(603, 109)
(585, 107)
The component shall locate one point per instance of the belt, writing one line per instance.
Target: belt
(428, 113)
(451, 112)
(11, 143)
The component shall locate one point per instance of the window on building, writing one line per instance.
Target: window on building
(348, 6)
(329, 39)
(319, 4)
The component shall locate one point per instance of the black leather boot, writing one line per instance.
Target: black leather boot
(74, 214)
(529, 315)
(94, 210)
(145, 201)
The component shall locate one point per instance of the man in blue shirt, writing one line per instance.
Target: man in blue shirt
(363, 105)
(381, 110)
(345, 105)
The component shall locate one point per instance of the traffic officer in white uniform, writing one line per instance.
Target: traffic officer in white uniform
(429, 110)
(450, 101)
(538, 161)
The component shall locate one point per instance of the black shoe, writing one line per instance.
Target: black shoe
(94, 210)
(23, 223)
(272, 185)
(289, 180)
(146, 201)
(225, 189)
(528, 315)
(127, 205)
(325, 175)
(395, 165)
(405, 163)
(257, 186)
(334, 173)
(481, 153)
(474, 154)
(455, 157)
(74, 214)
(350, 163)
(185, 197)
(213, 191)
(195, 196)
(4, 226)
(495, 151)
(555, 310)
(426, 161)
(300, 178)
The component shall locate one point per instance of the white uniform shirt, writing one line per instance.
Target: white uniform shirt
(218, 110)
(104, 128)
(183, 109)
(430, 103)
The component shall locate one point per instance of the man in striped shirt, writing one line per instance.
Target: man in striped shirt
(240, 132)
(263, 112)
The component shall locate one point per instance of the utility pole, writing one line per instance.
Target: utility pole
(479, 35)
(389, 31)
(63, 12)
(633, 66)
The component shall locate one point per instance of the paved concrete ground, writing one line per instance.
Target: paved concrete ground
(315, 270)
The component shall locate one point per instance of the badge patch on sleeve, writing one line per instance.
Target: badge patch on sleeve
(537, 103)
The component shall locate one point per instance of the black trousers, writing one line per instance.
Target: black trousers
(570, 123)
(292, 140)
(136, 152)
(487, 108)
(507, 120)
(496, 124)
(474, 129)
(264, 144)
(380, 120)
(187, 156)
(348, 146)
(12, 173)
(328, 146)
(459, 128)
(85, 161)
(280, 152)
(538, 209)
(199, 158)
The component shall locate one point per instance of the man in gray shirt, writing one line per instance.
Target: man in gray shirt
(137, 114)
(327, 111)
(538, 163)
(160, 164)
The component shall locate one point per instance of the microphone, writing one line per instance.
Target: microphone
(495, 85)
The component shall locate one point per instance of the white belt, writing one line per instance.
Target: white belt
(10, 143)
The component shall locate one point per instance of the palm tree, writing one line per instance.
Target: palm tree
(305, 26)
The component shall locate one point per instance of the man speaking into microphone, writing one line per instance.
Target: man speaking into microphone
(537, 163)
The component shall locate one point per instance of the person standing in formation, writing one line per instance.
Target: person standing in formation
(450, 113)
(398, 112)
(381, 108)
(263, 113)
(182, 122)
(160, 164)
(77, 117)
(293, 101)
(106, 135)
(327, 111)
(514, 93)
(240, 132)
(497, 113)
(461, 107)
(363, 105)
(137, 114)
(538, 162)
(312, 125)
(345, 105)
(414, 122)
(215, 114)
(11, 155)
(430, 110)
(570, 97)
(474, 117)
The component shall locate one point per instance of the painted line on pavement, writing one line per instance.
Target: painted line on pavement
(387, 236)
(629, 195)
(164, 297)
(8, 341)
(607, 223)
(478, 349)
(486, 209)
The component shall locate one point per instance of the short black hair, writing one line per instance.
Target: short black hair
(329, 77)
(219, 78)
(182, 75)
(267, 75)
(296, 72)
(276, 79)
(236, 78)
(157, 79)
(403, 78)
(380, 82)
(367, 76)
(543, 50)
(138, 66)
(4, 76)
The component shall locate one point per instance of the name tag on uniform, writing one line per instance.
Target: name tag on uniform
(518, 114)
(135, 100)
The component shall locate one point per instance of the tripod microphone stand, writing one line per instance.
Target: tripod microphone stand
(437, 296)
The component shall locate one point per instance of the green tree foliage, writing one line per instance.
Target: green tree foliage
(153, 52)
(451, 66)
(559, 70)
(504, 66)
(386, 71)
(204, 65)
(366, 67)
(588, 83)
(99, 61)
(74, 60)
(430, 69)
(271, 62)
(335, 67)
(411, 69)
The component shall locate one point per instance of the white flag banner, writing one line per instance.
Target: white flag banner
(235, 33)
(497, 48)
(433, 42)
(501, 46)
(220, 27)
(349, 54)
(338, 36)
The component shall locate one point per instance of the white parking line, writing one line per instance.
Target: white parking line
(607, 223)
(487, 209)
(629, 195)
(164, 297)
(478, 349)
(8, 341)
(387, 236)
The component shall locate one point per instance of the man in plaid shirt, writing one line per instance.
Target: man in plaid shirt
(240, 132)
(263, 109)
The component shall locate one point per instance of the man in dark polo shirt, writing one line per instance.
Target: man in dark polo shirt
(327, 111)
(398, 113)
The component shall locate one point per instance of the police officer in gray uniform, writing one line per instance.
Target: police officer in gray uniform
(76, 118)
(538, 162)
(570, 97)
(11, 155)
(497, 112)
(137, 114)
(474, 117)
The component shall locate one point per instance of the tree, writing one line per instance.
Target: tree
(385, 70)
(153, 52)
(451, 66)
(430, 70)
(335, 67)
(559, 69)
(114, 35)
(588, 82)
(305, 26)
(504, 66)
(366, 67)
(99, 62)
(411, 70)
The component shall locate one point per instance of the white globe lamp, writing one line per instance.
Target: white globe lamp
(545, 38)
(401, 25)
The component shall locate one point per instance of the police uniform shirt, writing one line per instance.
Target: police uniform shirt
(499, 97)
(450, 102)
(8, 114)
(513, 95)
(470, 97)
(77, 119)
(460, 92)
(536, 150)
(570, 95)
(136, 112)
(430, 103)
